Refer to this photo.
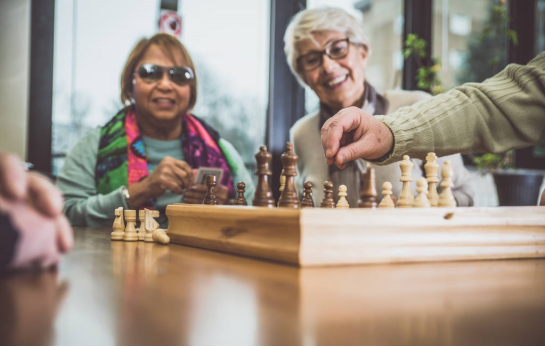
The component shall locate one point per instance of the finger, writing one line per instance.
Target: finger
(173, 184)
(184, 172)
(351, 152)
(333, 130)
(65, 235)
(13, 178)
(46, 198)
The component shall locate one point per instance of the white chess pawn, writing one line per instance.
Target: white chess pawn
(421, 199)
(118, 226)
(432, 168)
(387, 201)
(343, 203)
(130, 229)
(446, 199)
(406, 197)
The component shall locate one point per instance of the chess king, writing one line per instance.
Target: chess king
(327, 50)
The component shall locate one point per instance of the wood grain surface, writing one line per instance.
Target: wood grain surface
(138, 293)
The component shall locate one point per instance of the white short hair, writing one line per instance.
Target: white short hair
(304, 23)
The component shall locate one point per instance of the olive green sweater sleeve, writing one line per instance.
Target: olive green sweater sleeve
(505, 112)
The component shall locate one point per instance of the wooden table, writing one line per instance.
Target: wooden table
(134, 293)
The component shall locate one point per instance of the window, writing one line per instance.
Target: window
(465, 41)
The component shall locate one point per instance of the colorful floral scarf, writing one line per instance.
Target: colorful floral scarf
(122, 160)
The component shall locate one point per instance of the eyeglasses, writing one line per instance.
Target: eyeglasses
(180, 75)
(334, 50)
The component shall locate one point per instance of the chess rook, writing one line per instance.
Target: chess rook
(368, 193)
(432, 168)
(263, 194)
(130, 229)
(406, 198)
(210, 197)
(328, 201)
(119, 225)
(241, 200)
(289, 194)
(307, 200)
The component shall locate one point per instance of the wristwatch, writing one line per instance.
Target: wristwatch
(127, 196)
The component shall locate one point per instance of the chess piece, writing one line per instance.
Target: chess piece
(289, 194)
(421, 199)
(263, 194)
(432, 168)
(118, 226)
(387, 201)
(142, 229)
(307, 195)
(241, 200)
(368, 193)
(160, 236)
(342, 203)
(406, 198)
(130, 229)
(150, 224)
(328, 201)
(282, 185)
(446, 199)
(210, 197)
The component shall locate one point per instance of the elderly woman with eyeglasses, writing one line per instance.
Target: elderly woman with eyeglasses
(145, 156)
(327, 50)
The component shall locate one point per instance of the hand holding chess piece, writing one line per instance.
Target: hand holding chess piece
(31, 208)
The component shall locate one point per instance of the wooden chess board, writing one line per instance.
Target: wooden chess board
(318, 236)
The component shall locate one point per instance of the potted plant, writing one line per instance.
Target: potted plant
(515, 187)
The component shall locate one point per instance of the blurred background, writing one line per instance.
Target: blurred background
(61, 61)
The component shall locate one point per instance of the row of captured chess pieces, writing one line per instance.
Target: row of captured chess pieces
(427, 195)
(149, 230)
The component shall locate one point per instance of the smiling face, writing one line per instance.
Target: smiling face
(163, 103)
(337, 83)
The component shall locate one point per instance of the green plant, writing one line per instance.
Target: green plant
(492, 163)
(427, 77)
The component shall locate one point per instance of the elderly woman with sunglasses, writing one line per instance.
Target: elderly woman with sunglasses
(146, 154)
(327, 50)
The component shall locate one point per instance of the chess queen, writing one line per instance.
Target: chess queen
(144, 156)
(327, 50)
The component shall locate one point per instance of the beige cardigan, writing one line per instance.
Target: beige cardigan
(311, 166)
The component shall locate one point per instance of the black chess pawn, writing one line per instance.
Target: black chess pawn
(307, 195)
(210, 197)
(328, 201)
(289, 194)
(263, 194)
(241, 200)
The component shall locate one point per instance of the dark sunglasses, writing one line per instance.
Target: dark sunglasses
(178, 74)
